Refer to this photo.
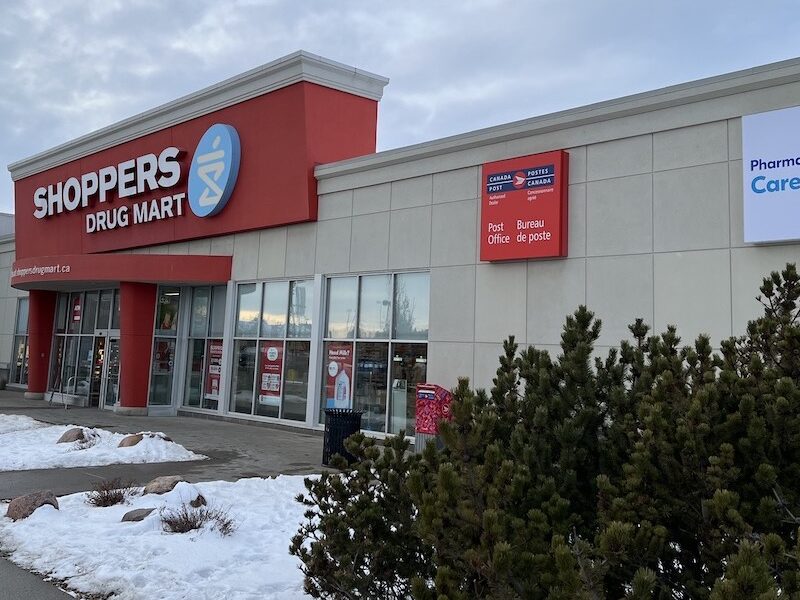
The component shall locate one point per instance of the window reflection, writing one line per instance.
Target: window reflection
(342, 294)
(273, 316)
(248, 309)
(375, 307)
(411, 306)
(302, 303)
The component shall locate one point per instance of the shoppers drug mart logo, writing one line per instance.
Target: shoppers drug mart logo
(214, 169)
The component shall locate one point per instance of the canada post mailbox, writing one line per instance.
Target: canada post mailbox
(433, 405)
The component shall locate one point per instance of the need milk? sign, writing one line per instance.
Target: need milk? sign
(771, 175)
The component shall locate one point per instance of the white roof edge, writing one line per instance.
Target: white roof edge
(769, 75)
(290, 69)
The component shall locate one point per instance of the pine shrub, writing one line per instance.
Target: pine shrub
(658, 471)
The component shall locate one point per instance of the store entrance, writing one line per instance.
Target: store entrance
(104, 385)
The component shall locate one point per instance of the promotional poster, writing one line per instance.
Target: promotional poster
(213, 367)
(339, 361)
(269, 391)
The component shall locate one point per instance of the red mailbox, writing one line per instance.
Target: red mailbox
(433, 405)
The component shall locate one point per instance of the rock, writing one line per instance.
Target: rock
(162, 485)
(23, 507)
(198, 502)
(75, 434)
(137, 514)
(130, 440)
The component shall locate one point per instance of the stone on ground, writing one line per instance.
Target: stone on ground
(75, 434)
(137, 514)
(23, 506)
(162, 485)
(130, 440)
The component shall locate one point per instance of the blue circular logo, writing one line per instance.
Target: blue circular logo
(214, 169)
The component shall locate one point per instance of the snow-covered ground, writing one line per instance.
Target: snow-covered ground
(29, 444)
(93, 551)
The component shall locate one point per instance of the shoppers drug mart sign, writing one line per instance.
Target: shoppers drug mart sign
(212, 177)
(524, 207)
(771, 175)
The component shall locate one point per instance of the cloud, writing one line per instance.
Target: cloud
(73, 66)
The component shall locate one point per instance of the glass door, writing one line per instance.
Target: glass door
(110, 390)
(98, 365)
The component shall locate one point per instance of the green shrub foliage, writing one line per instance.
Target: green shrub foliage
(359, 538)
(658, 471)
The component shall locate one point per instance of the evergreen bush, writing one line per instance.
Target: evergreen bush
(659, 471)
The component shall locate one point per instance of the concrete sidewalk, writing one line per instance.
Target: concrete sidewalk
(234, 451)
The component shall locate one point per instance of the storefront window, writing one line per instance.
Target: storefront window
(271, 372)
(273, 313)
(57, 363)
(115, 311)
(204, 356)
(370, 386)
(162, 369)
(359, 371)
(295, 381)
(19, 358)
(270, 369)
(409, 367)
(68, 377)
(78, 357)
(244, 370)
(302, 297)
(84, 375)
(76, 308)
(200, 301)
(341, 318)
(169, 299)
(194, 378)
(248, 309)
(61, 313)
(89, 312)
(374, 307)
(411, 306)
(104, 309)
(218, 301)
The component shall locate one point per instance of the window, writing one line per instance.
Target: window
(76, 360)
(204, 363)
(375, 347)
(164, 343)
(272, 346)
(19, 358)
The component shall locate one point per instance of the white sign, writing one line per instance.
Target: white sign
(128, 178)
(771, 175)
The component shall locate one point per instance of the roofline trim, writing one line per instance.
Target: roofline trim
(737, 82)
(288, 70)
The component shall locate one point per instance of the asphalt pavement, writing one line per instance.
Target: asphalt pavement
(234, 451)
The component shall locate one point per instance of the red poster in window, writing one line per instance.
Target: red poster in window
(76, 308)
(269, 391)
(339, 366)
(213, 367)
(524, 207)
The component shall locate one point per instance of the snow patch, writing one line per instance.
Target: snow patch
(94, 552)
(29, 444)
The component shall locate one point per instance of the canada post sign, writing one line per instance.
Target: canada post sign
(771, 175)
(524, 207)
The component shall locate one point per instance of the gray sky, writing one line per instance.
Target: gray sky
(69, 67)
